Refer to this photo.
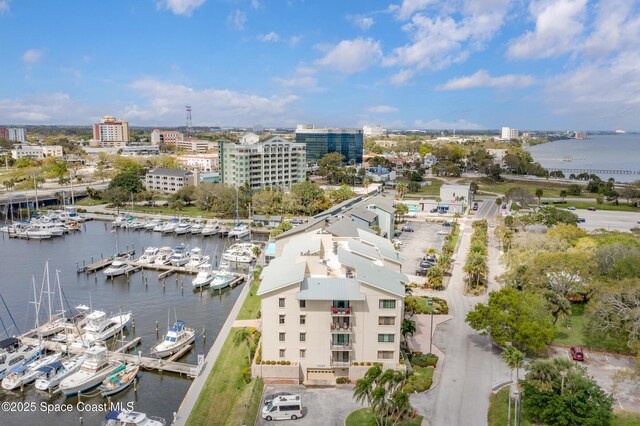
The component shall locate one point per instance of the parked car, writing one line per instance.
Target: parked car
(581, 220)
(433, 210)
(592, 209)
(422, 272)
(406, 229)
(429, 258)
(504, 207)
(446, 224)
(576, 353)
(397, 241)
(475, 206)
(296, 221)
(269, 398)
(571, 208)
(443, 232)
(427, 264)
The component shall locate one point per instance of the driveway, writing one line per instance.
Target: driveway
(321, 406)
(415, 244)
(602, 367)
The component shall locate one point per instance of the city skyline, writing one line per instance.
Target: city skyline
(564, 64)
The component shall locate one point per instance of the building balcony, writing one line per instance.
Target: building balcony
(341, 346)
(341, 312)
(341, 328)
(340, 363)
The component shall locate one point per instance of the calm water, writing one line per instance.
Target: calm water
(158, 394)
(603, 152)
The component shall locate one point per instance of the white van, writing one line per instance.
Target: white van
(283, 408)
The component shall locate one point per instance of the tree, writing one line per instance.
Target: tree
(514, 359)
(341, 194)
(401, 188)
(413, 186)
(330, 164)
(115, 196)
(520, 196)
(408, 327)
(560, 307)
(245, 335)
(382, 391)
(309, 196)
(366, 182)
(516, 317)
(563, 194)
(574, 190)
(401, 210)
(186, 194)
(128, 182)
(559, 392)
(539, 193)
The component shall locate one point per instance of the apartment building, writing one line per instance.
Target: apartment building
(329, 304)
(168, 180)
(28, 151)
(159, 136)
(14, 134)
(508, 133)
(319, 142)
(110, 132)
(273, 163)
(196, 145)
(202, 162)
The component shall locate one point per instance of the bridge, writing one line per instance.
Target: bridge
(595, 171)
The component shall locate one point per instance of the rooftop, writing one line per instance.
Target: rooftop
(170, 172)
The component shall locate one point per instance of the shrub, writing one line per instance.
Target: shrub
(368, 364)
(288, 362)
(356, 363)
(423, 360)
(342, 380)
(246, 374)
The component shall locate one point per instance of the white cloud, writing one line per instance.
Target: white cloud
(32, 56)
(409, 7)
(446, 38)
(237, 19)
(255, 4)
(294, 40)
(559, 27)
(482, 79)
(4, 6)
(180, 7)
(361, 21)
(43, 108)
(402, 77)
(303, 78)
(382, 109)
(270, 37)
(165, 104)
(615, 27)
(437, 124)
(351, 56)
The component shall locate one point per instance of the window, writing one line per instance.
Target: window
(386, 320)
(303, 303)
(303, 337)
(303, 319)
(385, 354)
(303, 353)
(281, 302)
(387, 304)
(281, 353)
(281, 337)
(381, 337)
(281, 320)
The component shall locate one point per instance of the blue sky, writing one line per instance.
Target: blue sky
(464, 64)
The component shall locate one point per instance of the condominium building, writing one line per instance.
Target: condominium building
(373, 130)
(508, 133)
(159, 136)
(168, 180)
(28, 151)
(14, 134)
(273, 163)
(202, 162)
(110, 132)
(329, 307)
(319, 142)
(144, 150)
(196, 145)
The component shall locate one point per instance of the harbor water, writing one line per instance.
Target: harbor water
(158, 394)
(597, 152)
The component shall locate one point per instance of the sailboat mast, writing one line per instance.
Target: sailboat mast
(48, 291)
(60, 292)
(35, 301)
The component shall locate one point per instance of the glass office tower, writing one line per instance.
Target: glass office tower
(347, 142)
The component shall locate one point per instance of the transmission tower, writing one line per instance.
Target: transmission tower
(188, 120)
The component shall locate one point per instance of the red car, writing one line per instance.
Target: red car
(576, 353)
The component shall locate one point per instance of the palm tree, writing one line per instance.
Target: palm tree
(563, 194)
(363, 391)
(438, 200)
(514, 359)
(475, 267)
(401, 188)
(408, 327)
(408, 290)
(539, 193)
(244, 335)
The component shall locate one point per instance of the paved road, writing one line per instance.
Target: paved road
(487, 209)
(610, 220)
(472, 365)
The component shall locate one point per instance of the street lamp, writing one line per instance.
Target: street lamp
(430, 304)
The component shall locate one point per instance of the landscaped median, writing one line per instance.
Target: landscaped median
(365, 417)
(230, 396)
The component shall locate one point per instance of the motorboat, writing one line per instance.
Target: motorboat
(222, 279)
(13, 353)
(95, 368)
(27, 373)
(35, 234)
(164, 256)
(149, 256)
(239, 255)
(149, 226)
(34, 355)
(204, 277)
(136, 224)
(197, 226)
(239, 231)
(56, 230)
(178, 336)
(71, 326)
(119, 380)
(118, 267)
(131, 418)
(182, 228)
(169, 227)
(101, 328)
(196, 258)
(159, 226)
(211, 228)
(54, 373)
(180, 256)
(120, 220)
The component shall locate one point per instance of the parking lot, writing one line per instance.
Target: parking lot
(320, 406)
(610, 220)
(602, 367)
(415, 244)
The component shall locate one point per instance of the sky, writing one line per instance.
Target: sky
(412, 64)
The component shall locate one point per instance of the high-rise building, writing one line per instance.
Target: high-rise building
(14, 134)
(159, 136)
(348, 142)
(373, 130)
(273, 163)
(4, 134)
(508, 133)
(110, 132)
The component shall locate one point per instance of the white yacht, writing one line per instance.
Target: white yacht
(35, 234)
(118, 267)
(211, 228)
(196, 258)
(204, 277)
(182, 228)
(159, 226)
(120, 220)
(197, 226)
(239, 231)
(13, 353)
(180, 256)
(169, 227)
(149, 256)
(164, 256)
(57, 230)
(95, 368)
(149, 226)
(238, 255)
(101, 328)
(53, 374)
(222, 279)
(27, 373)
(136, 224)
(131, 418)
(178, 336)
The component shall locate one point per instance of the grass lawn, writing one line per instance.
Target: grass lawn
(571, 333)
(364, 417)
(225, 398)
(88, 201)
(498, 409)
(430, 190)
(550, 188)
(421, 380)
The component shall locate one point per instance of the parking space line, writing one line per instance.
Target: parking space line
(567, 352)
(587, 355)
(607, 358)
(621, 407)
